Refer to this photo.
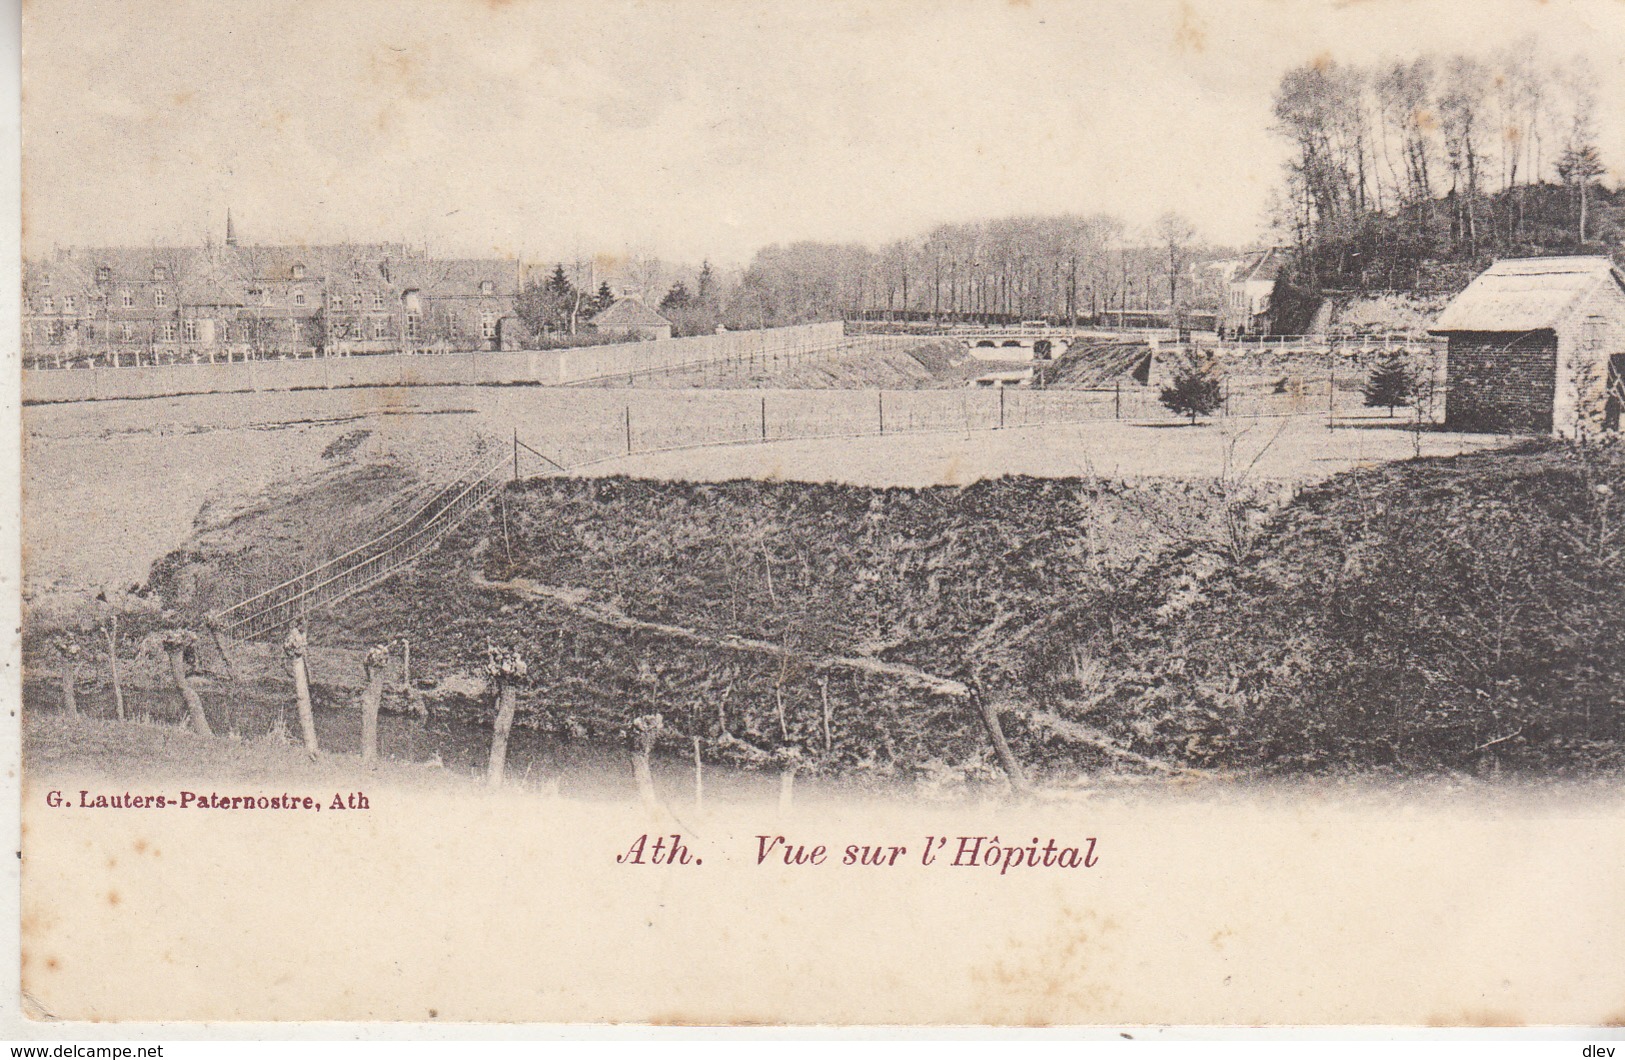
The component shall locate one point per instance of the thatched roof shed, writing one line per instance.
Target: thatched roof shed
(1524, 294)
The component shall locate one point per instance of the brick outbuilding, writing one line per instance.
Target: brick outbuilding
(1537, 346)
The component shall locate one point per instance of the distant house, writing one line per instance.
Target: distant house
(630, 318)
(123, 305)
(466, 300)
(1536, 346)
(1248, 296)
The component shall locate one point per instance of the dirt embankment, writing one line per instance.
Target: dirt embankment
(1445, 615)
(1097, 366)
(1455, 614)
(865, 365)
(859, 627)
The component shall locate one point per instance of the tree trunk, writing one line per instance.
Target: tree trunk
(370, 698)
(645, 729)
(507, 703)
(111, 630)
(301, 692)
(1007, 758)
(645, 779)
(699, 777)
(70, 692)
(787, 787)
(194, 703)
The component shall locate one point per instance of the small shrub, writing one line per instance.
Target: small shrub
(1392, 383)
(1194, 389)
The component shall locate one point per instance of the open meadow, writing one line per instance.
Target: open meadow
(110, 487)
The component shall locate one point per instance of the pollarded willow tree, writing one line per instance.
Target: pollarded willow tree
(293, 649)
(179, 645)
(506, 670)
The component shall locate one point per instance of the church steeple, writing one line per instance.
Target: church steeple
(231, 231)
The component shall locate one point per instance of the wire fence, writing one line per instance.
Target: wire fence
(363, 566)
(596, 427)
(626, 424)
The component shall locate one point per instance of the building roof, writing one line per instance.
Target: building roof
(1261, 267)
(629, 312)
(209, 291)
(223, 275)
(463, 276)
(1525, 294)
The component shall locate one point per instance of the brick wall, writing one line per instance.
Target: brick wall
(1592, 334)
(1501, 382)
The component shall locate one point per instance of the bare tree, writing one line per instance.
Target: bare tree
(1461, 105)
(1176, 234)
(1580, 163)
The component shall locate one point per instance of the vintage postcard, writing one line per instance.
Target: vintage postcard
(1031, 514)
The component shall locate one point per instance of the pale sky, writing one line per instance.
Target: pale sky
(694, 129)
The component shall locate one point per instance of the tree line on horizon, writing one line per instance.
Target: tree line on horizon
(1061, 268)
(1057, 267)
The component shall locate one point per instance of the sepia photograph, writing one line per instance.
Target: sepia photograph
(711, 514)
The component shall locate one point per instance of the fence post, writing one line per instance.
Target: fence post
(629, 430)
(764, 418)
(1001, 407)
(1331, 385)
(881, 404)
(516, 454)
(1117, 399)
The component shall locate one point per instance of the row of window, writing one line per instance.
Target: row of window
(160, 274)
(191, 330)
(160, 299)
(488, 323)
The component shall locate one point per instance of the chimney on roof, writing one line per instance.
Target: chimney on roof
(231, 230)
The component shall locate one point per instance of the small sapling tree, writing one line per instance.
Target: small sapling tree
(1193, 387)
(1391, 384)
(110, 631)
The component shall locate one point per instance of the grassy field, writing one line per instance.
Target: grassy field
(1283, 449)
(110, 487)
